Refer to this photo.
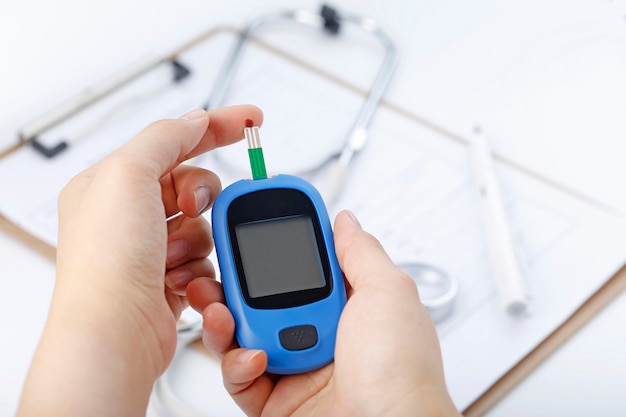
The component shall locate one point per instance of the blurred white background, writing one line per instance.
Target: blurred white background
(52, 50)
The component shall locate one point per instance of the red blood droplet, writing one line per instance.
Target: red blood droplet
(249, 123)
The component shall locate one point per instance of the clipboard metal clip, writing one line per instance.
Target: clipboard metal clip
(32, 131)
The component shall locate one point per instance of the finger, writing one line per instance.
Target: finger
(190, 239)
(166, 143)
(190, 190)
(176, 303)
(204, 291)
(362, 258)
(226, 127)
(178, 278)
(218, 329)
(245, 380)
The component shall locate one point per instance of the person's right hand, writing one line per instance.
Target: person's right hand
(387, 356)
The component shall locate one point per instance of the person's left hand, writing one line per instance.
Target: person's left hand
(113, 318)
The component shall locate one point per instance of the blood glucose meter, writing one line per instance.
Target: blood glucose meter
(278, 266)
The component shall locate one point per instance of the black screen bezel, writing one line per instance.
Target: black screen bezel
(273, 204)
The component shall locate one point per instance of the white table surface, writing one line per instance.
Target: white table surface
(41, 41)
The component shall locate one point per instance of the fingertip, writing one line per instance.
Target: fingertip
(203, 291)
(194, 114)
(346, 229)
(361, 256)
(352, 218)
(202, 198)
(346, 218)
(218, 329)
(241, 367)
(254, 112)
(226, 126)
(248, 356)
(245, 380)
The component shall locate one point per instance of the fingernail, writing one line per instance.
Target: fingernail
(247, 355)
(178, 278)
(353, 218)
(195, 114)
(176, 250)
(202, 195)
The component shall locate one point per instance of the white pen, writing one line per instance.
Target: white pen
(505, 262)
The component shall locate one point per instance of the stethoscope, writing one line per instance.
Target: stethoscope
(331, 22)
(443, 285)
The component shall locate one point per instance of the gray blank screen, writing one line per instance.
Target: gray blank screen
(279, 256)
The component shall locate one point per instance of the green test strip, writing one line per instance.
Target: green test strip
(257, 163)
(255, 152)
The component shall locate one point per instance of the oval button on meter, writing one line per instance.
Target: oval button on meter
(298, 337)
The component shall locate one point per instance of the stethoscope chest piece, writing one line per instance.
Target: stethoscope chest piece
(438, 289)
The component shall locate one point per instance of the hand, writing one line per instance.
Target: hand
(387, 357)
(111, 330)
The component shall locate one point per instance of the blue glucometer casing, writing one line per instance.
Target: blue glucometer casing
(279, 270)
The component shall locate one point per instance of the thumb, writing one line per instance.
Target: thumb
(361, 256)
(409, 361)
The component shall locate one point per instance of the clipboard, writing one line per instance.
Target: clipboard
(500, 387)
(101, 112)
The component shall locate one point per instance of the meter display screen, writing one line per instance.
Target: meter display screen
(280, 256)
